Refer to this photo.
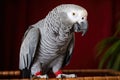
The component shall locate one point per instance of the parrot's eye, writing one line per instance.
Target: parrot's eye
(73, 13)
(82, 18)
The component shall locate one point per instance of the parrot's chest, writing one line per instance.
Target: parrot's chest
(52, 47)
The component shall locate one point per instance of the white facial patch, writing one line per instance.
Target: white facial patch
(77, 15)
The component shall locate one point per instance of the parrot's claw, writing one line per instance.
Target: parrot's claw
(42, 76)
(66, 76)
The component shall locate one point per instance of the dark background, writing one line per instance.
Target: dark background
(17, 15)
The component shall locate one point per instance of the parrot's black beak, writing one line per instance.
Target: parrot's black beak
(80, 27)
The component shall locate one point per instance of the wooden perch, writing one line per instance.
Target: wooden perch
(88, 74)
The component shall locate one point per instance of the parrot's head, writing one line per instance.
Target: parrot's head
(74, 18)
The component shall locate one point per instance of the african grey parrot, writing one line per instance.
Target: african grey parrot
(48, 44)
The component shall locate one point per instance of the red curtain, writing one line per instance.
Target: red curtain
(17, 15)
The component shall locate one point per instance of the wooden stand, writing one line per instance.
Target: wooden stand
(82, 75)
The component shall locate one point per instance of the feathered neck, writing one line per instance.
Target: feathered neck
(52, 21)
(54, 26)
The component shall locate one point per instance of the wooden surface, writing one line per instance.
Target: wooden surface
(17, 72)
(78, 78)
(88, 74)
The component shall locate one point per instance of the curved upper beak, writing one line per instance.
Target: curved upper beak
(80, 27)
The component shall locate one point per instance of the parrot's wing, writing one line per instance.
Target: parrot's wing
(69, 51)
(28, 47)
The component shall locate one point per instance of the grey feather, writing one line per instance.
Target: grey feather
(28, 47)
(69, 52)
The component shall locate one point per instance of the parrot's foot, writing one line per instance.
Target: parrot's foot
(66, 76)
(41, 76)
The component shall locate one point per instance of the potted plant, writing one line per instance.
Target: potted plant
(109, 51)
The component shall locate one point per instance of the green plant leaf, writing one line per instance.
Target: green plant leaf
(104, 43)
(111, 61)
(116, 65)
(112, 50)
